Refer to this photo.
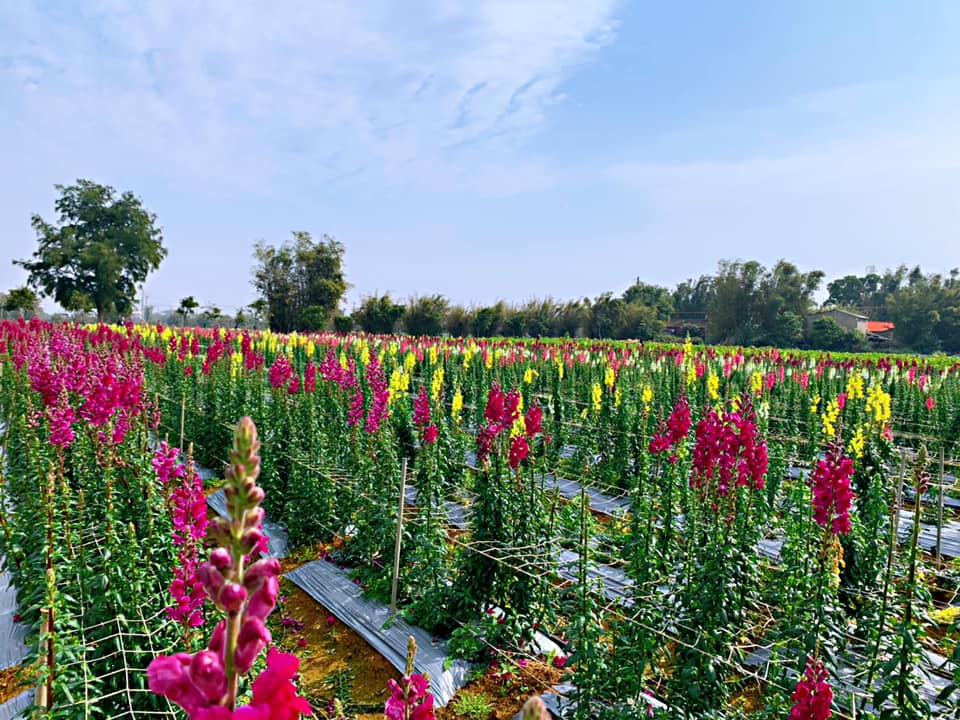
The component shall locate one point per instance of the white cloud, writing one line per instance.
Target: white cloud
(429, 94)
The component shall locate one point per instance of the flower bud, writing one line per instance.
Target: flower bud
(218, 528)
(253, 638)
(217, 638)
(254, 575)
(251, 540)
(231, 597)
(207, 674)
(211, 578)
(253, 518)
(220, 559)
(264, 599)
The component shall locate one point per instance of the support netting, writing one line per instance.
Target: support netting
(93, 659)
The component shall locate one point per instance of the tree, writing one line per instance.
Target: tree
(658, 298)
(186, 307)
(750, 305)
(456, 321)
(343, 324)
(259, 308)
(21, 300)
(916, 311)
(540, 317)
(488, 320)
(571, 318)
(425, 315)
(102, 248)
(212, 315)
(867, 294)
(694, 296)
(378, 314)
(514, 323)
(848, 291)
(301, 282)
(732, 316)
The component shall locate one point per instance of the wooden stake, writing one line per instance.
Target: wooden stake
(396, 548)
(940, 509)
(183, 415)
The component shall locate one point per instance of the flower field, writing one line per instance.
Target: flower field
(699, 531)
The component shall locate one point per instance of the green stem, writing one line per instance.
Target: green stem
(233, 619)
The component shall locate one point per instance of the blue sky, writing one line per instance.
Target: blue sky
(492, 149)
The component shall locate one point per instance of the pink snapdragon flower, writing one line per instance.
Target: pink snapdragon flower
(205, 684)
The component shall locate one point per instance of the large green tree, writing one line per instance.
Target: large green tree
(868, 293)
(425, 315)
(378, 314)
(926, 311)
(102, 246)
(22, 300)
(750, 305)
(301, 281)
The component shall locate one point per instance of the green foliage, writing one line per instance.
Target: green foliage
(102, 248)
(186, 308)
(927, 312)
(694, 296)
(301, 282)
(474, 706)
(425, 315)
(21, 299)
(827, 334)
(212, 316)
(342, 323)
(749, 305)
(378, 314)
(867, 293)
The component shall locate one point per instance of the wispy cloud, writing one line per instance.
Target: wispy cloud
(431, 94)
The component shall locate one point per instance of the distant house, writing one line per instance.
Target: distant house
(880, 330)
(844, 318)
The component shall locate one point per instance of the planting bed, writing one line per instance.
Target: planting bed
(692, 531)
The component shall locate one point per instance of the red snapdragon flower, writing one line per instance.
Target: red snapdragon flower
(519, 449)
(421, 408)
(729, 451)
(813, 695)
(675, 429)
(832, 496)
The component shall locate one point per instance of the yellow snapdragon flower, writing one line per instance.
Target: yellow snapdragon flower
(830, 417)
(436, 384)
(596, 394)
(878, 405)
(456, 406)
(713, 386)
(855, 387)
(609, 377)
(647, 397)
(857, 443)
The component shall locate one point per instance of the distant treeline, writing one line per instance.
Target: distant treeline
(301, 286)
(743, 303)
